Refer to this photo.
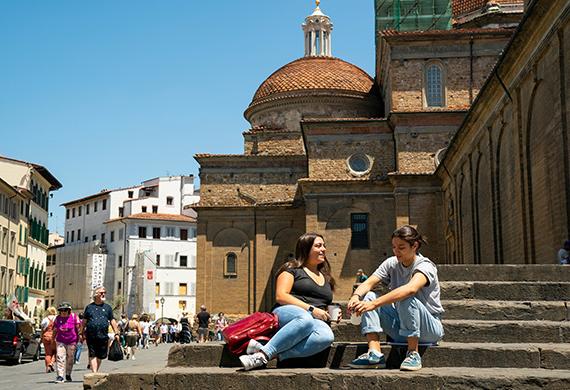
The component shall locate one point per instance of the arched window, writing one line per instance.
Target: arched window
(434, 87)
(230, 265)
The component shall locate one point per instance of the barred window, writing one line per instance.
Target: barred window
(434, 86)
(230, 265)
(359, 230)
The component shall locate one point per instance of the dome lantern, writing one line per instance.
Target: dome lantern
(317, 29)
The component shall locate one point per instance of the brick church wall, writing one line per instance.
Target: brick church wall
(407, 82)
(271, 142)
(507, 170)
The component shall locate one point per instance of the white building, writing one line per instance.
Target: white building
(117, 236)
(38, 182)
(55, 241)
(160, 263)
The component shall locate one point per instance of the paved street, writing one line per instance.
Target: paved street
(31, 375)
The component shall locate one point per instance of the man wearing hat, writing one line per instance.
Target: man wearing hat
(96, 319)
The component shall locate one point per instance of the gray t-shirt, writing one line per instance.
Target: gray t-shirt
(393, 274)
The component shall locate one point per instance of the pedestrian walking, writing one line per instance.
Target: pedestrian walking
(203, 324)
(132, 333)
(172, 332)
(67, 331)
(97, 317)
(145, 328)
(48, 339)
(164, 332)
(79, 345)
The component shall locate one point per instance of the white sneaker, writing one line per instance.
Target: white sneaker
(253, 346)
(133, 357)
(249, 362)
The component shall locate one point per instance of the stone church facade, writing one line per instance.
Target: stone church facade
(335, 151)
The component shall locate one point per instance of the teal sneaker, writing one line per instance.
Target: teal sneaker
(370, 359)
(412, 362)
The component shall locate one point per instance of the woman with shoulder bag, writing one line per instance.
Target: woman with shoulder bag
(48, 339)
(304, 289)
(66, 336)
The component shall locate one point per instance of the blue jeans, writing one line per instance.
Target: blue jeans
(299, 334)
(78, 351)
(403, 319)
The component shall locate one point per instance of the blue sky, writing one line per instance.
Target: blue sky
(108, 93)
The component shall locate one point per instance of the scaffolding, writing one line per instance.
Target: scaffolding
(413, 15)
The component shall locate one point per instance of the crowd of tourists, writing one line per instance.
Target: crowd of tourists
(65, 333)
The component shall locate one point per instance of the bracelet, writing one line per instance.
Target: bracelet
(358, 295)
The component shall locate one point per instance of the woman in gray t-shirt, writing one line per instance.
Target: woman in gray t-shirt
(410, 313)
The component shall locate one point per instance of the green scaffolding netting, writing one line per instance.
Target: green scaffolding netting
(413, 15)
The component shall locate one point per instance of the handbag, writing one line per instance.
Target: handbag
(259, 326)
(116, 351)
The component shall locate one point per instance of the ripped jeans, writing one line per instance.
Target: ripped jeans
(299, 334)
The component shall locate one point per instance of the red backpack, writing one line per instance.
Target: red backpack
(259, 326)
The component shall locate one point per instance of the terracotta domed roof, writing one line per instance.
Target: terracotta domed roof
(315, 73)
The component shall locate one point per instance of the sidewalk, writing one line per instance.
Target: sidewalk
(150, 359)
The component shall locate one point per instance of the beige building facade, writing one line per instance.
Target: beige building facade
(35, 182)
(13, 233)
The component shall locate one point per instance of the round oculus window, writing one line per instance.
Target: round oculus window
(359, 164)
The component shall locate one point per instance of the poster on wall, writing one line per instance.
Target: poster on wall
(99, 262)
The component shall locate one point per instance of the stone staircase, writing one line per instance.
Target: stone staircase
(497, 317)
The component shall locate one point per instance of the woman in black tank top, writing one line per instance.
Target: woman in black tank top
(304, 289)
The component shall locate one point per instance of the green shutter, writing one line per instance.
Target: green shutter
(26, 294)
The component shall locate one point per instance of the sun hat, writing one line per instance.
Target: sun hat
(64, 306)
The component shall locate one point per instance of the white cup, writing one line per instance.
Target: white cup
(334, 311)
(355, 319)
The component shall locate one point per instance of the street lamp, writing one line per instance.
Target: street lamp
(162, 307)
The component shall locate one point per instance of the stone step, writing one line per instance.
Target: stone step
(506, 291)
(447, 354)
(506, 310)
(292, 379)
(506, 272)
(473, 309)
(477, 331)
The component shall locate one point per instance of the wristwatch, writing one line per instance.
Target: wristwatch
(311, 309)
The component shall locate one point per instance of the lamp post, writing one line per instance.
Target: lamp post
(162, 307)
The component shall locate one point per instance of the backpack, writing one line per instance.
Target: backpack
(48, 333)
(258, 326)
